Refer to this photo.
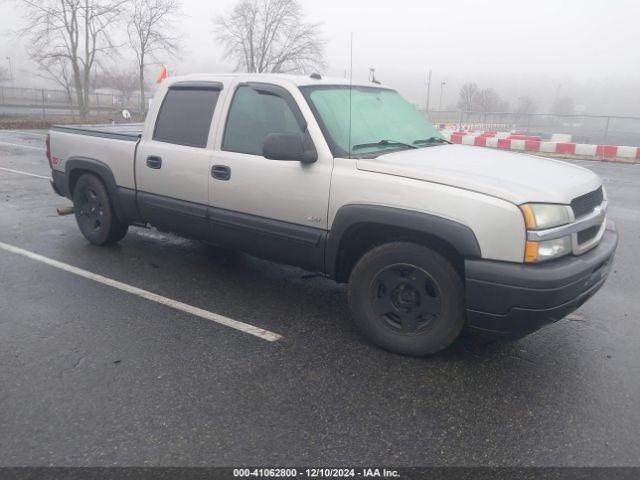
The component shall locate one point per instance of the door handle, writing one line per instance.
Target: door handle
(221, 172)
(154, 162)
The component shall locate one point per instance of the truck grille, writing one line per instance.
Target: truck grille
(585, 204)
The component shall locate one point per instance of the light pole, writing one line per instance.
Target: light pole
(428, 93)
(558, 92)
(10, 70)
(442, 84)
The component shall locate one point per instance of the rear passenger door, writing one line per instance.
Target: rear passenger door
(173, 161)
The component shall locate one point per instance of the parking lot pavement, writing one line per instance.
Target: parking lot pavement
(95, 375)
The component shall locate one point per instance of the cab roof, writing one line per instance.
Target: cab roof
(297, 80)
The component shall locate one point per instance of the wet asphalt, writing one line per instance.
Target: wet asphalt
(90, 375)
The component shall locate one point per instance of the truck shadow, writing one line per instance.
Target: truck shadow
(291, 301)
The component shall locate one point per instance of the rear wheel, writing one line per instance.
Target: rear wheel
(407, 298)
(95, 216)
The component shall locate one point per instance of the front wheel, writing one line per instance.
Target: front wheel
(407, 298)
(95, 216)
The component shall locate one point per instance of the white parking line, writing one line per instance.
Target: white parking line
(198, 312)
(22, 146)
(24, 173)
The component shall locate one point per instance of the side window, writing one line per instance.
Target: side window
(252, 117)
(185, 116)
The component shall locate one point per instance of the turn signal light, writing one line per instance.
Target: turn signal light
(529, 217)
(531, 252)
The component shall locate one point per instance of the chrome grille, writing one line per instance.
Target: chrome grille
(587, 228)
(585, 204)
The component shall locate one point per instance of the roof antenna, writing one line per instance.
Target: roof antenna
(350, 88)
(372, 76)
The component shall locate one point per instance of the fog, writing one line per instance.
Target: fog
(584, 49)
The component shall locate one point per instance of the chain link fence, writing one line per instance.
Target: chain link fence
(16, 102)
(593, 129)
(43, 103)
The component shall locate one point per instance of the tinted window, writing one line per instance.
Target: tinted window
(185, 117)
(252, 117)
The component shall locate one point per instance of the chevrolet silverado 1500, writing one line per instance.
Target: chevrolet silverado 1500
(353, 182)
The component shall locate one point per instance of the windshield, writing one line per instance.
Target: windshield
(381, 120)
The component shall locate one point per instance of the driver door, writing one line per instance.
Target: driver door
(274, 208)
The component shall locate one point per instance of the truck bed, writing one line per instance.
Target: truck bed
(111, 145)
(123, 131)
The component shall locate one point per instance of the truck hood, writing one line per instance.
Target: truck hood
(514, 177)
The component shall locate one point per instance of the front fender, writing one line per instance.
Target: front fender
(459, 236)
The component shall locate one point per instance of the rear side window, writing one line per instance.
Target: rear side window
(185, 116)
(252, 117)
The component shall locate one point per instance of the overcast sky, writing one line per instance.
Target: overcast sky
(587, 49)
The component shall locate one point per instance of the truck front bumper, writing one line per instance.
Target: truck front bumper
(507, 299)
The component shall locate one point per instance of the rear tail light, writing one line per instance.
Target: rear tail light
(48, 144)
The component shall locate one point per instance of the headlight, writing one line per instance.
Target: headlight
(541, 216)
(536, 252)
(538, 216)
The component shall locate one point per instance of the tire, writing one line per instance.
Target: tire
(94, 214)
(407, 299)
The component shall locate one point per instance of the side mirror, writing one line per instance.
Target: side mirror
(287, 146)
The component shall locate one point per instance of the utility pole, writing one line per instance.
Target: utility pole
(428, 92)
(442, 84)
(10, 70)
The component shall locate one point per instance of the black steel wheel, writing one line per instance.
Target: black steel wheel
(407, 298)
(94, 214)
(90, 210)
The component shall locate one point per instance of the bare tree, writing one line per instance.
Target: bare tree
(467, 96)
(148, 28)
(58, 70)
(124, 82)
(75, 32)
(526, 105)
(563, 106)
(503, 106)
(270, 36)
(487, 100)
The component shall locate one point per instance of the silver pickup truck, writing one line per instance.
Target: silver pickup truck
(353, 182)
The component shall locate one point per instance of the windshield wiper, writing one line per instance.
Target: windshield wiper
(382, 143)
(431, 140)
